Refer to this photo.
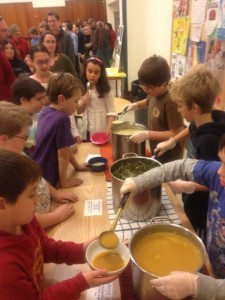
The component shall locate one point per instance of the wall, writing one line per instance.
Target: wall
(149, 28)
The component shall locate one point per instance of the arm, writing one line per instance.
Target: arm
(137, 105)
(83, 102)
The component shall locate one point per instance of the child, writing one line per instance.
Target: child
(212, 175)
(98, 103)
(13, 133)
(164, 120)
(53, 134)
(31, 95)
(24, 245)
(195, 95)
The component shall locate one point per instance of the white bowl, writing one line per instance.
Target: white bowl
(95, 248)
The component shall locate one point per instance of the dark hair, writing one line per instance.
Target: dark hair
(102, 85)
(53, 14)
(16, 172)
(69, 26)
(5, 43)
(62, 83)
(43, 37)
(25, 87)
(32, 30)
(37, 48)
(222, 143)
(154, 71)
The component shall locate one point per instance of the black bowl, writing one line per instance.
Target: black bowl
(97, 163)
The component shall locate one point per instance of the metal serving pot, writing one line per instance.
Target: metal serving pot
(145, 205)
(141, 277)
(120, 139)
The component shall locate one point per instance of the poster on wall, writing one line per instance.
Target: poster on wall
(212, 18)
(221, 22)
(178, 66)
(180, 8)
(180, 34)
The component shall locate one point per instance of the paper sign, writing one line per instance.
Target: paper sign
(93, 207)
(102, 292)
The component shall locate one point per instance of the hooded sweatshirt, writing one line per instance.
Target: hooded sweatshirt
(22, 258)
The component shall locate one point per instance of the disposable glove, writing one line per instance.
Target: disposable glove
(162, 147)
(129, 186)
(177, 285)
(181, 186)
(129, 107)
(139, 137)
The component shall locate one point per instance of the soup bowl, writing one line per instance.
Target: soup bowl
(174, 249)
(120, 257)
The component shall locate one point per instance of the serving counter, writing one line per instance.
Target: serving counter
(93, 214)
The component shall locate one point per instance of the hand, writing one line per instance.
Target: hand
(129, 107)
(65, 197)
(162, 147)
(71, 182)
(129, 186)
(78, 139)
(96, 278)
(83, 167)
(180, 186)
(177, 285)
(86, 98)
(139, 137)
(64, 211)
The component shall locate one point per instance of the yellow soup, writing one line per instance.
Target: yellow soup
(161, 253)
(108, 260)
(127, 131)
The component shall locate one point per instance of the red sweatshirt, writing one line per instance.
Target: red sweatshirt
(21, 265)
(7, 77)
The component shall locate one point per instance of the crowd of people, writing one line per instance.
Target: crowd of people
(62, 70)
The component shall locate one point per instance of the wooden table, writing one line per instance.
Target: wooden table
(79, 228)
(113, 74)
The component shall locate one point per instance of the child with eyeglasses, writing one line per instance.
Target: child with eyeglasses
(164, 121)
(97, 105)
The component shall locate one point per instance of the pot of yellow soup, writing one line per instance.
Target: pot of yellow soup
(121, 144)
(159, 249)
(145, 205)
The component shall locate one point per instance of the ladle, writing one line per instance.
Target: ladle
(108, 239)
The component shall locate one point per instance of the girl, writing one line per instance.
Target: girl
(18, 65)
(40, 58)
(59, 62)
(98, 103)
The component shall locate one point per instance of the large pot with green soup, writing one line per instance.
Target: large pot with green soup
(143, 206)
(159, 249)
(121, 144)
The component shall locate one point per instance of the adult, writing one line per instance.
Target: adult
(59, 62)
(63, 38)
(21, 44)
(69, 29)
(6, 72)
(18, 65)
(112, 37)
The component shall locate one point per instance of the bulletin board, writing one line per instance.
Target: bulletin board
(198, 36)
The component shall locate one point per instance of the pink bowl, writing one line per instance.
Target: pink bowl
(99, 138)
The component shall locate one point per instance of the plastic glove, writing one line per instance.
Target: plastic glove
(164, 146)
(129, 107)
(177, 285)
(129, 186)
(181, 186)
(139, 137)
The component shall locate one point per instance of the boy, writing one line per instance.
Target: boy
(24, 245)
(164, 121)
(13, 133)
(31, 95)
(195, 95)
(53, 134)
(210, 174)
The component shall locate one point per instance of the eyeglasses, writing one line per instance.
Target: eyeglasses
(147, 87)
(25, 137)
(42, 62)
(50, 42)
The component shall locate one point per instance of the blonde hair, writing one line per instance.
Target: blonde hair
(198, 86)
(13, 119)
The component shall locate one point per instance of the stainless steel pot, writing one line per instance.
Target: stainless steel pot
(121, 143)
(140, 277)
(145, 205)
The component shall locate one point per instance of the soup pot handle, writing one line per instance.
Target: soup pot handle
(155, 219)
(129, 154)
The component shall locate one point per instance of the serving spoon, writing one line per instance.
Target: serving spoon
(108, 239)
